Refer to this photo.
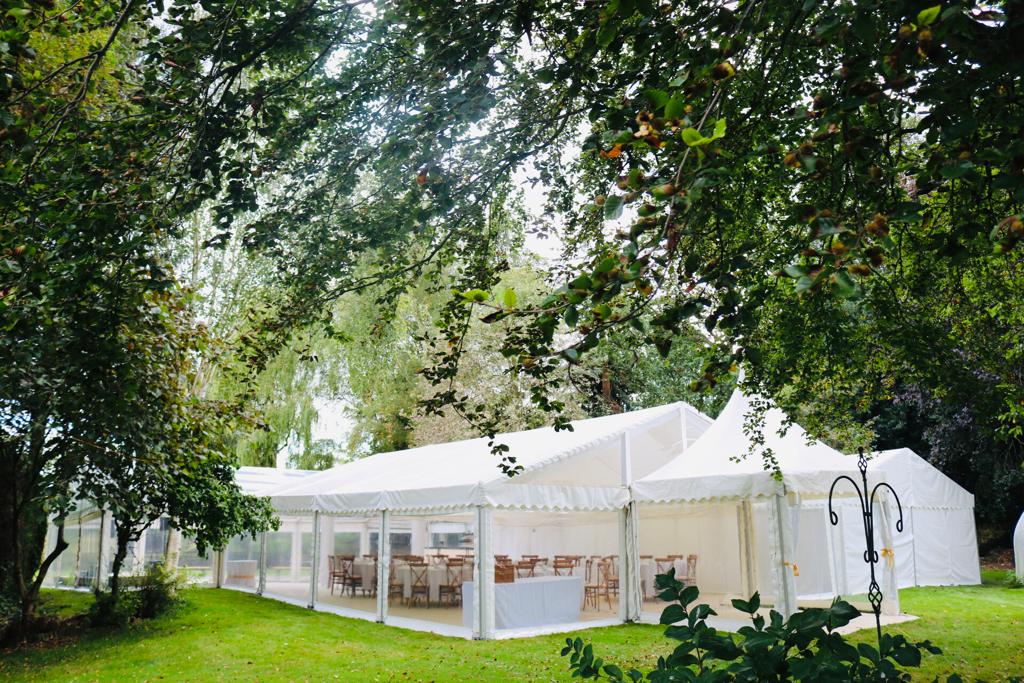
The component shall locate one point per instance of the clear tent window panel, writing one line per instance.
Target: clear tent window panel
(289, 558)
(240, 563)
(705, 544)
(432, 559)
(347, 568)
(561, 569)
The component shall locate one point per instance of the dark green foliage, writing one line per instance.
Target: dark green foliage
(805, 647)
(144, 597)
(108, 610)
(159, 591)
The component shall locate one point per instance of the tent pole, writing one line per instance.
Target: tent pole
(890, 588)
(630, 591)
(746, 563)
(102, 549)
(913, 543)
(218, 569)
(833, 578)
(483, 577)
(261, 582)
(314, 568)
(383, 564)
(786, 585)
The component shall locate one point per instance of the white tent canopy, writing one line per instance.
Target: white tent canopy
(789, 547)
(580, 469)
(642, 487)
(726, 463)
(938, 545)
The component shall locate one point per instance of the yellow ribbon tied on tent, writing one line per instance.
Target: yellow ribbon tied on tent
(796, 569)
(889, 555)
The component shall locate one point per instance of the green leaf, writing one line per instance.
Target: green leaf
(659, 98)
(571, 316)
(475, 296)
(674, 108)
(692, 137)
(795, 271)
(509, 298)
(612, 207)
(927, 17)
(719, 130)
(845, 286)
(606, 34)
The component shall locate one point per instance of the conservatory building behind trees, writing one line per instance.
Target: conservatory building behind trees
(437, 538)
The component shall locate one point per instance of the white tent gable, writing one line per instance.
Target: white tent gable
(919, 483)
(725, 463)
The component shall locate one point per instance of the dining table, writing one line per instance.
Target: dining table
(649, 570)
(437, 574)
(530, 602)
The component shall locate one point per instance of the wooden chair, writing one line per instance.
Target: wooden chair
(452, 587)
(564, 567)
(419, 584)
(591, 593)
(663, 564)
(335, 575)
(528, 557)
(609, 581)
(691, 569)
(395, 587)
(349, 580)
(676, 557)
(524, 569)
(505, 573)
(610, 577)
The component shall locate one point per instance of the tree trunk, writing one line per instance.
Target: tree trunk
(30, 590)
(123, 538)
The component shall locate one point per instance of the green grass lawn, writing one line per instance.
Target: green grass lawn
(223, 635)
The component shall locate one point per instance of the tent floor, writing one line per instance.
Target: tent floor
(294, 591)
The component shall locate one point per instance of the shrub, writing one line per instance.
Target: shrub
(142, 597)
(158, 591)
(804, 648)
(106, 611)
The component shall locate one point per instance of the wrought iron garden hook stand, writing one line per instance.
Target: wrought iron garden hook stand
(867, 508)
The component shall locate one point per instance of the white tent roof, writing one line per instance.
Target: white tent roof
(725, 463)
(917, 482)
(462, 474)
(258, 481)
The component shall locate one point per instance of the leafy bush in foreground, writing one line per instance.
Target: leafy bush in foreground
(804, 648)
(150, 596)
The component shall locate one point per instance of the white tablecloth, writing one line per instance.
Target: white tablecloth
(366, 569)
(540, 601)
(436, 575)
(649, 569)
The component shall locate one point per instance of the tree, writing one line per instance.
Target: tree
(105, 139)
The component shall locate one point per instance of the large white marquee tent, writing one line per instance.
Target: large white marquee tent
(637, 487)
